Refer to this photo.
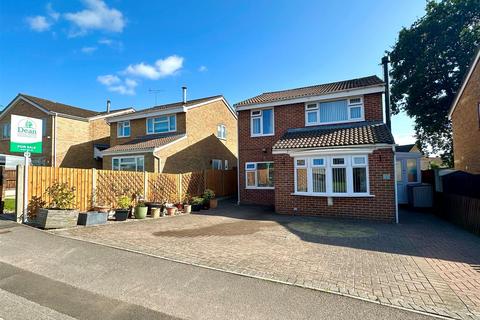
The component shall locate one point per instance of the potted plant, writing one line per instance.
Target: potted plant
(179, 205)
(98, 205)
(141, 210)
(171, 210)
(187, 207)
(155, 212)
(92, 218)
(60, 212)
(123, 208)
(209, 197)
(197, 203)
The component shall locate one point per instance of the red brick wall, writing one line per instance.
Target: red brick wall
(251, 149)
(380, 207)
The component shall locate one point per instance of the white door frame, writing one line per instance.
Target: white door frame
(402, 157)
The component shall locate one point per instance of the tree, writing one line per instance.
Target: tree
(429, 61)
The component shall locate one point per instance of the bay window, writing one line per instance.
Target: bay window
(345, 175)
(133, 163)
(337, 111)
(161, 124)
(259, 175)
(123, 129)
(261, 122)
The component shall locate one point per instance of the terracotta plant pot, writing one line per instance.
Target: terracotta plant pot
(213, 203)
(155, 213)
(187, 208)
(171, 211)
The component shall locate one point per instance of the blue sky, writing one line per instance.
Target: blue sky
(83, 52)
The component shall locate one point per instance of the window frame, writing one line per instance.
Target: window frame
(125, 157)
(218, 161)
(168, 116)
(260, 116)
(123, 135)
(222, 131)
(329, 166)
(6, 128)
(256, 178)
(350, 106)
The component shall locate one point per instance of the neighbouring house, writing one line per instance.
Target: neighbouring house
(174, 138)
(319, 150)
(72, 136)
(426, 163)
(465, 116)
(408, 169)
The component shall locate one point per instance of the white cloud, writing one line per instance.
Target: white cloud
(97, 16)
(108, 79)
(402, 139)
(89, 49)
(162, 68)
(202, 69)
(52, 13)
(115, 84)
(39, 23)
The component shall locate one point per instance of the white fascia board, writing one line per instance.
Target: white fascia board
(112, 114)
(20, 97)
(361, 149)
(120, 152)
(141, 115)
(170, 143)
(464, 84)
(328, 96)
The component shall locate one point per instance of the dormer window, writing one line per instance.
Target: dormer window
(338, 111)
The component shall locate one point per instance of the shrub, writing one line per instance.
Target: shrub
(141, 204)
(33, 206)
(197, 201)
(208, 194)
(124, 202)
(63, 196)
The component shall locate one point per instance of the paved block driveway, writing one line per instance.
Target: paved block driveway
(423, 263)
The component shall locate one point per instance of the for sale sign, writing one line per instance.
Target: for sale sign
(25, 134)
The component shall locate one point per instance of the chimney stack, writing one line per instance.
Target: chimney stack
(184, 91)
(385, 61)
(108, 106)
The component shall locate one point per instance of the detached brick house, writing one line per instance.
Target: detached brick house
(319, 150)
(174, 138)
(465, 116)
(72, 136)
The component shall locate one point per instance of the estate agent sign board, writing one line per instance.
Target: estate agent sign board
(25, 134)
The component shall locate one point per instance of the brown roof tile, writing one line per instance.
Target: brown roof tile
(61, 108)
(179, 104)
(366, 132)
(312, 90)
(146, 142)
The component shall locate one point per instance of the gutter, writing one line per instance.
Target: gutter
(395, 181)
(238, 164)
(54, 162)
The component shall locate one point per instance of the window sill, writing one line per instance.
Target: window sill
(219, 138)
(334, 195)
(334, 122)
(260, 188)
(123, 136)
(262, 135)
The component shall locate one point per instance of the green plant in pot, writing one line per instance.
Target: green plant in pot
(197, 203)
(123, 208)
(141, 210)
(210, 201)
(61, 212)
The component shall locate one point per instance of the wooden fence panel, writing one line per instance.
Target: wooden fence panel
(461, 210)
(163, 187)
(214, 180)
(230, 183)
(111, 184)
(193, 183)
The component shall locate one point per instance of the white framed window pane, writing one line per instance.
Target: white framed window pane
(115, 165)
(256, 125)
(250, 166)
(360, 180)
(312, 106)
(412, 170)
(355, 100)
(312, 117)
(172, 123)
(359, 160)
(126, 131)
(355, 113)
(250, 178)
(301, 162)
(338, 161)
(334, 111)
(150, 125)
(318, 180)
(265, 174)
(224, 132)
(267, 121)
(219, 131)
(318, 162)
(226, 165)
(140, 164)
(398, 171)
(339, 180)
(160, 126)
(301, 179)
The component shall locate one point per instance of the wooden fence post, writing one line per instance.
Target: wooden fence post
(205, 184)
(19, 193)
(145, 185)
(94, 187)
(180, 187)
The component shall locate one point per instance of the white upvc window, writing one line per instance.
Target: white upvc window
(123, 129)
(222, 131)
(6, 131)
(226, 165)
(133, 163)
(259, 175)
(162, 124)
(216, 164)
(344, 175)
(336, 111)
(262, 122)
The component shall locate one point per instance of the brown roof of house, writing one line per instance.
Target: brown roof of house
(366, 132)
(146, 142)
(312, 90)
(404, 148)
(58, 107)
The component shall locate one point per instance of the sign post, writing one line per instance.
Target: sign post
(26, 137)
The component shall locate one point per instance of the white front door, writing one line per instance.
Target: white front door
(407, 172)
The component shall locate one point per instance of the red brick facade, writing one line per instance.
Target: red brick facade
(381, 206)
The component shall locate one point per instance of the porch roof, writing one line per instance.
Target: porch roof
(145, 143)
